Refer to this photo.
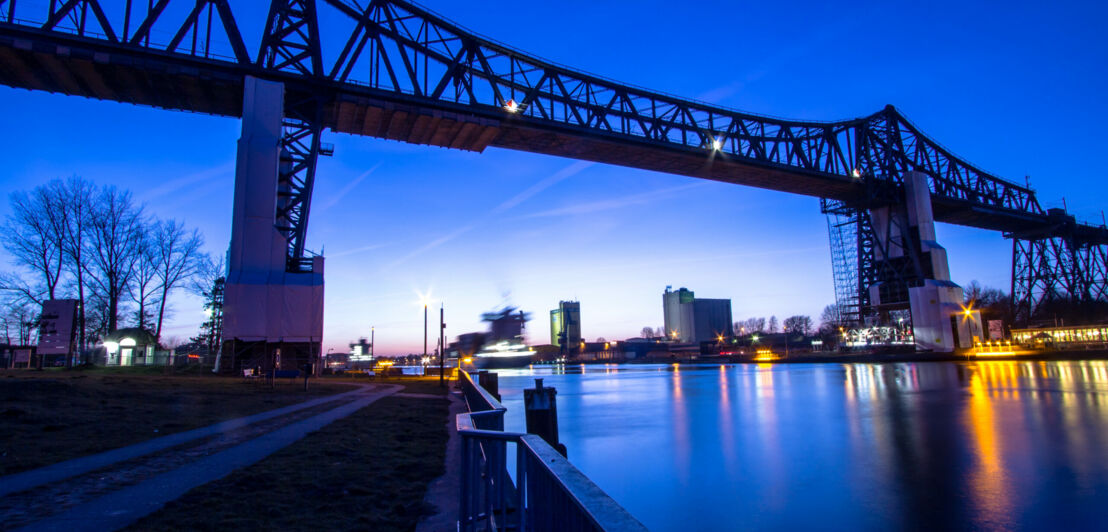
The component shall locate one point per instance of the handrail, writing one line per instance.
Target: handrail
(549, 492)
(485, 400)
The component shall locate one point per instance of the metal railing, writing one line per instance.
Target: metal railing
(548, 493)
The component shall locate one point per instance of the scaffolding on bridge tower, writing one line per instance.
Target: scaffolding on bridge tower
(844, 229)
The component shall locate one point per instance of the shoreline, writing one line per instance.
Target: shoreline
(870, 358)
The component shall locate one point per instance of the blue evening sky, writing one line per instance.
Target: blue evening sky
(1015, 87)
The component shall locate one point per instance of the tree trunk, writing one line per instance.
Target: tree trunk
(113, 310)
(80, 312)
(161, 315)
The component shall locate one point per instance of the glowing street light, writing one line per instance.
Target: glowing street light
(511, 106)
(424, 299)
(717, 144)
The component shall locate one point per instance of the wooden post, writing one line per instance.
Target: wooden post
(541, 408)
(490, 382)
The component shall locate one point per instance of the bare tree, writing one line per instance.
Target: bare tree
(22, 316)
(209, 270)
(832, 317)
(77, 201)
(172, 342)
(772, 325)
(179, 260)
(798, 324)
(114, 237)
(97, 315)
(145, 284)
(752, 325)
(647, 332)
(33, 237)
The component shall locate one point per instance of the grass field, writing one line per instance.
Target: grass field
(55, 415)
(368, 471)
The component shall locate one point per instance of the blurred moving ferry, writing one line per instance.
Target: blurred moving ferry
(503, 346)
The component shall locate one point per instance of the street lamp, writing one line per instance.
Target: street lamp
(442, 343)
(425, 299)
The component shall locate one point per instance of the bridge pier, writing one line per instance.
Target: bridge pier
(273, 314)
(914, 272)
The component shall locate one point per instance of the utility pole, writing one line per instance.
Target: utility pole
(372, 341)
(425, 330)
(442, 345)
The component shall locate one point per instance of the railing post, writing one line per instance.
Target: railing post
(463, 513)
(521, 486)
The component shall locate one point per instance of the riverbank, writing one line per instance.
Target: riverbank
(870, 357)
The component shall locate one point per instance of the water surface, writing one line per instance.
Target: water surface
(838, 446)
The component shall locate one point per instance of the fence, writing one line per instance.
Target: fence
(549, 493)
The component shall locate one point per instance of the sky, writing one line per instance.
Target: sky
(1016, 88)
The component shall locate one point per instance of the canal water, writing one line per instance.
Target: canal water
(983, 445)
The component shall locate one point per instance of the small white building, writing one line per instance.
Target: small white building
(129, 347)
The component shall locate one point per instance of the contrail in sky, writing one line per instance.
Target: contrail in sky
(560, 175)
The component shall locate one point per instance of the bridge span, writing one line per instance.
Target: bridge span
(400, 72)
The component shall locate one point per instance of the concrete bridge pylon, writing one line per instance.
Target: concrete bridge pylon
(273, 317)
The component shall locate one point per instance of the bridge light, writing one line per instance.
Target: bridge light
(511, 106)
(857, 173)
(717, 144)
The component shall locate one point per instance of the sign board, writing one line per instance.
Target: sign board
(57, 327)
(22, 355)
(996, 329)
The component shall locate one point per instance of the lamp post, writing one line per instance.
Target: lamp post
(425, 330)
(442, 344)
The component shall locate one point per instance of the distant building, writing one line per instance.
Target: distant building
(361, 354)
(692, 320)
(678, 314)
(565, 324)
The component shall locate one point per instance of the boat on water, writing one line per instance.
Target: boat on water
(503, 355)
(502, 346)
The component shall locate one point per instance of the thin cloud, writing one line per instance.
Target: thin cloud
(349, 187)
(531, 191)
(355, 250)
(225, 170)
(560, 175)
(431, 245)
(615, 203)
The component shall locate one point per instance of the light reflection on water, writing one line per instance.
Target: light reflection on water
(916, 445)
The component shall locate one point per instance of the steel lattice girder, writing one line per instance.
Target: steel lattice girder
(1057, 269)
(398, 54)
(300, 142)
(291, 43)
(291, 40)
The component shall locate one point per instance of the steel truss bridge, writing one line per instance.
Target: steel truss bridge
(391, 69)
